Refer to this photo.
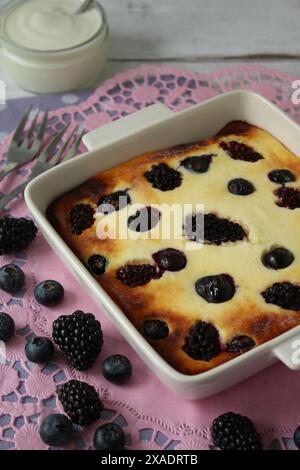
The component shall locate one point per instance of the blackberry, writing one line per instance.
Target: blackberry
(81, 402)
(79, 337)
(133, 275)
(170, 259)
(278, 258)
(283, 294)
(218, 230)
(197, 164)
(163, 177)
(15, 234)
(288, 197)
(281, 176)
(232, 431)
(215, 289)
(7, 327)
(202, 342)
(239, 151)
(155, 329)
(240, 344)
(114, 201)
(97, 264)
(215, 230)
(240, 187)
(81, 217)
(144, 219)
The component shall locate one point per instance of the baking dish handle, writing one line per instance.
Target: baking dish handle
(122, 127)
(288, 352)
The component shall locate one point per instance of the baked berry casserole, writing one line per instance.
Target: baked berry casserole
(209, 295)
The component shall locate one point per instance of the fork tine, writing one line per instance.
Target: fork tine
(73, 150)
(51, 145)
(43, 125)
(37, 141)
(31, 129)
(19, 131)
(67, 142)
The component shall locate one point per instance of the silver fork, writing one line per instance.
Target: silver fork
(45, 161)
(22, 151)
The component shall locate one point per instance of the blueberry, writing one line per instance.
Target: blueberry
(12, 278)
(278, 258)
(110, 436)
(56, 430)
(215, 289)
(114, 201)
(144, 219)
(155, 329)
(197, 164)
(39, 349)
(7, 327)
(97, 264)
(240, 344)
(170, 259)
(297, 437)
(49, 293)
(281, 176)
(240, 187)
(117, 369)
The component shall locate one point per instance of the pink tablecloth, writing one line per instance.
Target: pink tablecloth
(152, 416)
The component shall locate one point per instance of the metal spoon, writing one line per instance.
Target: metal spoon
(85, 6)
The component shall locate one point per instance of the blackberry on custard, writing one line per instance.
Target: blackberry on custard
(239, 151)
(202, 342)
(212, 229)
(288, 197)
(284, 294)
(81, 217)
(163, 177)
(134, 275)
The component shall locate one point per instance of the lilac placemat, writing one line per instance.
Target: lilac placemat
(12, 111)
(152, 416)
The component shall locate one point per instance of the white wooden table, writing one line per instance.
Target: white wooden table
(200, 35)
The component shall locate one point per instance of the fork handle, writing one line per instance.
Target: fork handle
(12, 194)
(7, 169)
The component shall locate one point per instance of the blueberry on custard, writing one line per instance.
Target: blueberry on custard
(197, 164)
(114, 201)
(281, 176)
(278, 258)
(215, 289)
(240, 187)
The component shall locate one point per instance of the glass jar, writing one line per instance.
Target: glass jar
(54, 71)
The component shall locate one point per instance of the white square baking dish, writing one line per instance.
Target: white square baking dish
(154, 128)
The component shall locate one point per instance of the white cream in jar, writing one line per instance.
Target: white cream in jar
(50, 25)
(48, 48)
